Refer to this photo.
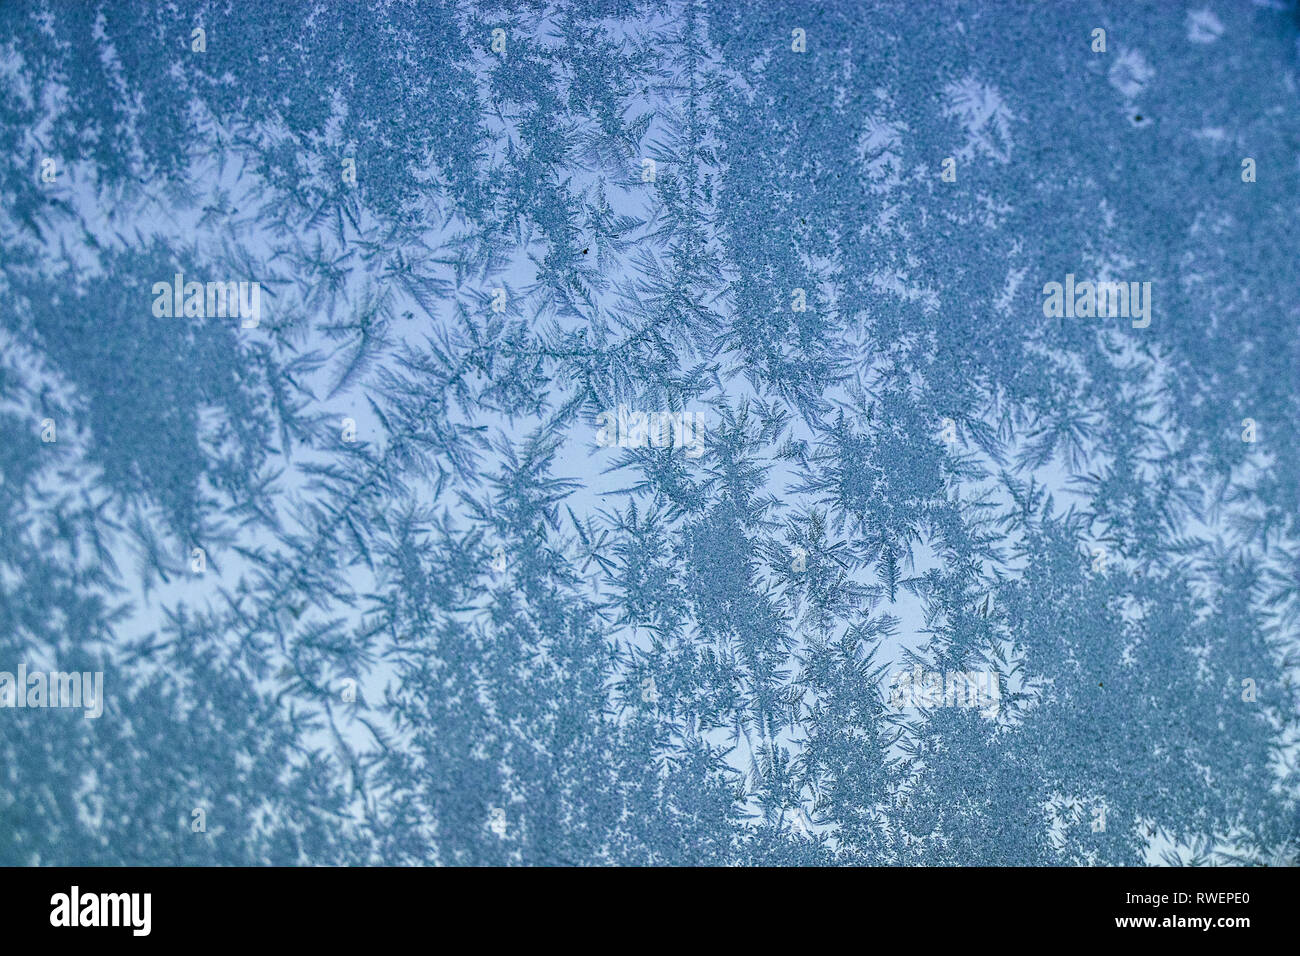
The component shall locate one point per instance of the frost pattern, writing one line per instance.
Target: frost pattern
(441, 614)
